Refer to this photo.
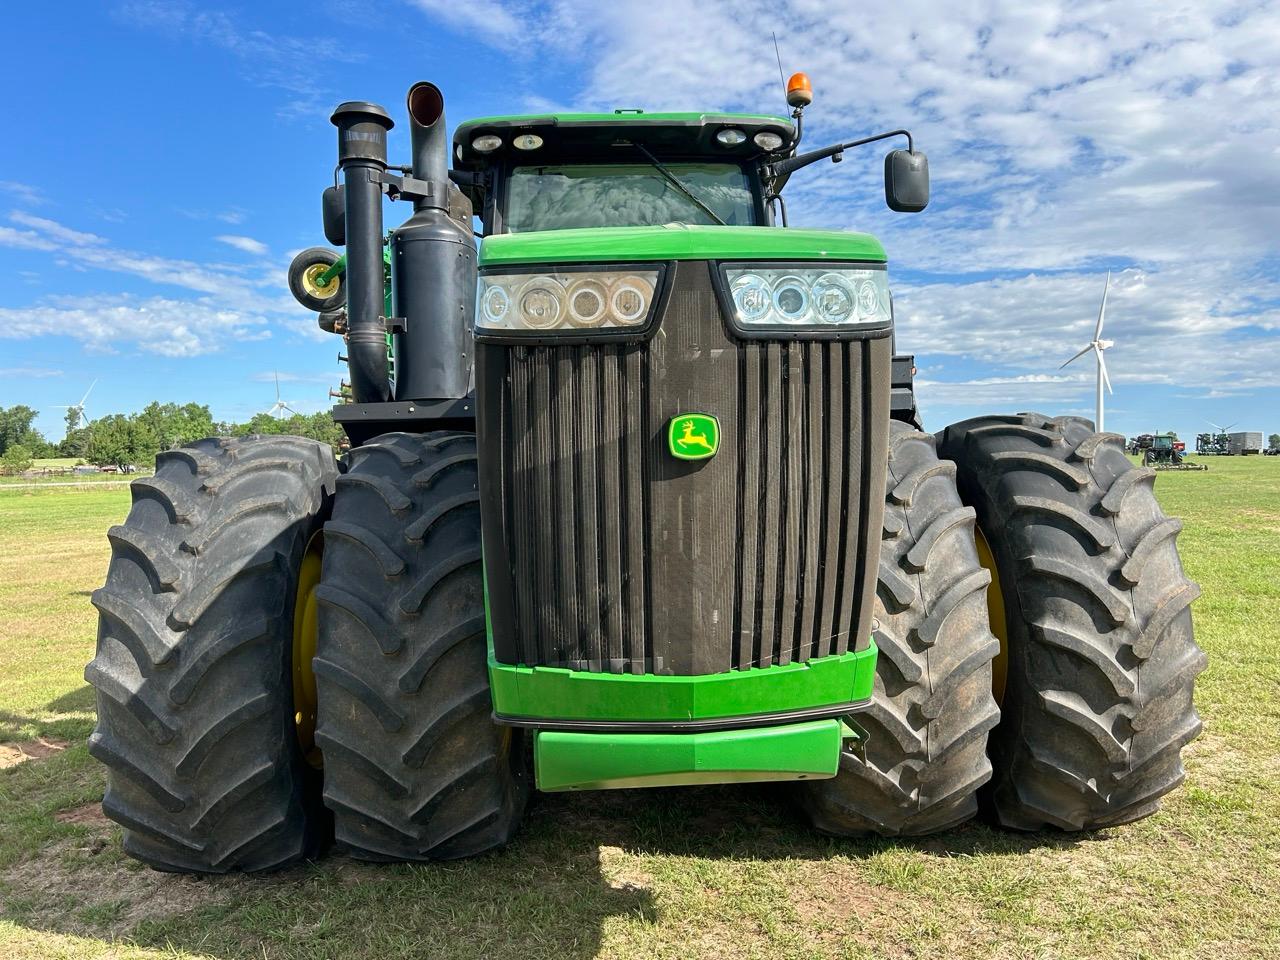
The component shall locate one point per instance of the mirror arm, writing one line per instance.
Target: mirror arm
(784, 168)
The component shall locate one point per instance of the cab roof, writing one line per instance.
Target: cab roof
(593, 136)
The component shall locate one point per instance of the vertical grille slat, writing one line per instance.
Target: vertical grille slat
(757, 556)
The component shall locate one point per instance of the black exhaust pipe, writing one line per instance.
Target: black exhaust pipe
(362, 155)
(430, 144)
(433, 273)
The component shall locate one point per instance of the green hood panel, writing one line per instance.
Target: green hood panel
(677, 241)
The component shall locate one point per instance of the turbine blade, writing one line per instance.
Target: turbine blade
(1079, 355)
(87, 392)
(1102, 368)
(277, 373)
(1102, 310)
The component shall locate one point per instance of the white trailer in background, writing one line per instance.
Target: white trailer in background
(1245, 443)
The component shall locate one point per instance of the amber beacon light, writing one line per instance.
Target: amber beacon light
(799, 90)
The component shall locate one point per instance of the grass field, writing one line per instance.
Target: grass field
(717, 872)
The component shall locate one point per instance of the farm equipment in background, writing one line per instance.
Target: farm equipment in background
(1212, 444)
(1167, 452)
(637, 496)
(1140, 444)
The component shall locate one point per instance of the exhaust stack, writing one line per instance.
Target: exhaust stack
(430, 144)
(433, 269)
(362, 156)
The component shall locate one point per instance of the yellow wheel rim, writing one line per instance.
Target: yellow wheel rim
(312, 284)
(306, 630)
(996, 616)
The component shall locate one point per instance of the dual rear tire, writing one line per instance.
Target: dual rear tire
(205, 724)
(1094, 659)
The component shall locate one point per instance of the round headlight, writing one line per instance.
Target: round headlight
(791, 299)
(486, 143)
(730, 137)
(868, 300)
(527, 141)
(833, 298)
(750, 297)
(587, 300)
(541, 303)
(629, 300)
(767, 140)
(494, 304)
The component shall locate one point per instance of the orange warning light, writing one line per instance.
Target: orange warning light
(799, 90)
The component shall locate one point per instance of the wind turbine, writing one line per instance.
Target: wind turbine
(277, 409)
(1097, 345)
(77, 407)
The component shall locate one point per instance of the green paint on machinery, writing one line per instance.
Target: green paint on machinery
(637, 494)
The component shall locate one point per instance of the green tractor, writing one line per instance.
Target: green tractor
(637, 496)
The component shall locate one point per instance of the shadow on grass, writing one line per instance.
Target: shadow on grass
(17, 726)
(551, 893)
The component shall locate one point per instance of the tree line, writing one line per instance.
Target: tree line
(132, 440)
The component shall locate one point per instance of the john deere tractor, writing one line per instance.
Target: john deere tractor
(637, 496)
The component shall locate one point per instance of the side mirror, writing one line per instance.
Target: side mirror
(334, 211)
(906, 181)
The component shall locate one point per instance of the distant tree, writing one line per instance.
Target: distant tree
(174, 425)
(16, 428)
(15, 459)
(75, 443)
(1273, 441)
(316, 426)
(122, 441)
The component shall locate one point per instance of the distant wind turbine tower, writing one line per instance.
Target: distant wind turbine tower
(1097, 345)
(278, 408)
(80, 419)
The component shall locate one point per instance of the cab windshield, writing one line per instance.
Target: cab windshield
(564, 196)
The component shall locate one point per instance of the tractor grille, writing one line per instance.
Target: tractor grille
(605, 553)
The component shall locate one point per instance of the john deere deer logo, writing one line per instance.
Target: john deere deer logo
(693, 436)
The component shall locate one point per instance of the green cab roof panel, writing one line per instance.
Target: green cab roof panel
(677, 241)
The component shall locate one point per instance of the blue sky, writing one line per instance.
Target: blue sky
(167, 158)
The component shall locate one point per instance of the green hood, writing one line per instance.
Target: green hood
(677, 241)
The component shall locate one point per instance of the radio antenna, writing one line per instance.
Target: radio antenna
(777, 53)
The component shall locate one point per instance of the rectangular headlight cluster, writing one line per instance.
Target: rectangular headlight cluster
(571, 301)
(823, 297)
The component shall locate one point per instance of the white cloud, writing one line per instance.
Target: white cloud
(247, 244)
(171, 328)
(29, 373)
(489, 18)
(56, 231)
(22, 192)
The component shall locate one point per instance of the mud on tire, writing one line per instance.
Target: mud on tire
(932, 706)
(1102, 660)
(193, 665)
(415, 768)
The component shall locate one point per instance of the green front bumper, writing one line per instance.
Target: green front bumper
(607, 761)
(552, 697)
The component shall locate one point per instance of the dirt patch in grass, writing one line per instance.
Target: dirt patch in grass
(60, 891)
(90, 815)
(12, 754)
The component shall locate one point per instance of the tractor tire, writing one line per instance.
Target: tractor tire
(1097, 700)
(193, 670)
(415, 767)
(925, 756)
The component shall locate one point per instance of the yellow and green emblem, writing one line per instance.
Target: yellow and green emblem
(693, 436)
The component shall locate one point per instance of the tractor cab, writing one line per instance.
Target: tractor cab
(625, 169)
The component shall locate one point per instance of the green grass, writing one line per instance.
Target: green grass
(714, 872)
